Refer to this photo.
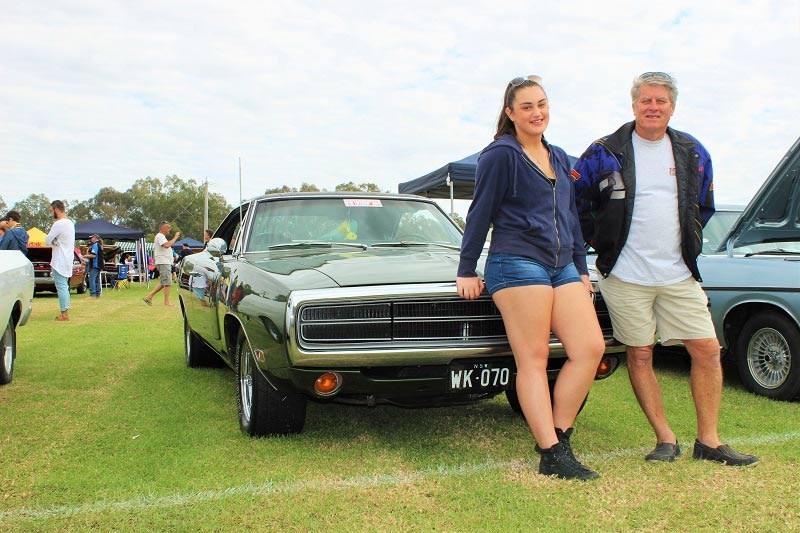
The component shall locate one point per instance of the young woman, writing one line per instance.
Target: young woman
(536, 270)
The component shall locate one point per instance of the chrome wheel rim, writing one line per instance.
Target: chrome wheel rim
(8, 351)
(769, 358)
(246, 383)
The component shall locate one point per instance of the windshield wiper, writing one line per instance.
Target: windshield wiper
(316, 244)
(417, 243)
(776, 251)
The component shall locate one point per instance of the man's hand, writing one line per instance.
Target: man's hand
(588, 284)
(469, 288)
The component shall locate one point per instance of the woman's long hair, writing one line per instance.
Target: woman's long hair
(504, 124)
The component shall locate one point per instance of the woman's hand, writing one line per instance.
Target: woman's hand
(469, 288)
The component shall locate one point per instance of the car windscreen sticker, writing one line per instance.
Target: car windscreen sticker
(362, 202)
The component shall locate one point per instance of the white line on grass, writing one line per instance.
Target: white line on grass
(357, 482)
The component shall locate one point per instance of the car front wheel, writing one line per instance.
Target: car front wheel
(768, 356)
(196, 353)
(8, 352)
(262, 409)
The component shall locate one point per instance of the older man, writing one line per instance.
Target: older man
(644, 194)
(162, 255)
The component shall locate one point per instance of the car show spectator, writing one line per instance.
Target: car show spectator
(61, 238)
(15, 237)
(96, 263)
(162, 256)
(647, 246)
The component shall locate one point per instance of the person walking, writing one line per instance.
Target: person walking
(61, 238)
(536, 271)
(15, 236)
(645, 192)
(96, 263)
(162, 256)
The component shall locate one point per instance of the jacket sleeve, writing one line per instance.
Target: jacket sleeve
(706, 196)
(584, 175)
(579, 250)
(491, 183)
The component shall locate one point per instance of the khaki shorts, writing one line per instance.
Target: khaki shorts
(642, 314)
(165, 275)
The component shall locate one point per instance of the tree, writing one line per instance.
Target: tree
(35, 211)
(305, 187)
(3, 205)
(173, 200)
(361, 187)
(458, 220)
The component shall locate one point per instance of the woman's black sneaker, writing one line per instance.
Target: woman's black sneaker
(723, 454)
(558, 461)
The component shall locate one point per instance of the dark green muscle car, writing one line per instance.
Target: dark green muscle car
(345, 297)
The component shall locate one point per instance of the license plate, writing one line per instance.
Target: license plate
(481, 376)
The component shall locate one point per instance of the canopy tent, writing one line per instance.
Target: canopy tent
(455, 180)
(189, 241)
(36, 237)
(107, 230)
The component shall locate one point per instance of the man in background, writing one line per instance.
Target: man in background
(15, 236)
(96, 263)
(62, 239)
(162, 255)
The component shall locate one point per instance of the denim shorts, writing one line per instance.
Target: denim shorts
(509, 270)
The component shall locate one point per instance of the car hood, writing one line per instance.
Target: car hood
(370, 267)
(773, 215)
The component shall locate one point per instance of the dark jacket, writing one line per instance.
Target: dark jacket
(15, 239)
(605, 185)
(529, 214)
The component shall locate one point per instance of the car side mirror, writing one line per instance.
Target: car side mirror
(217, 246)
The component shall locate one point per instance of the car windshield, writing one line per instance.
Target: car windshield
(349, 221)
(716, 230)
(719, 226)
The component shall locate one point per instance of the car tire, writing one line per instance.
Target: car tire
(263, 410)
(8, 353)
(513, 399)
(768, 356)
(196, 353)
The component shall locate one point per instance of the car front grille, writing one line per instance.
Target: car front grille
(403, 321)
(418, 320)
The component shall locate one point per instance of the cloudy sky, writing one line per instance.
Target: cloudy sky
(100, 93)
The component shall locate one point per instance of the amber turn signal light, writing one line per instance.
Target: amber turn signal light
(328, 383)
(606, 367)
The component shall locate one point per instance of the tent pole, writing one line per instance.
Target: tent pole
(450, 183)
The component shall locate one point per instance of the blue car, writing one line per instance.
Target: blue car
(753, 284)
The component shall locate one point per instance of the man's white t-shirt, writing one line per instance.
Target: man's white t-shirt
(161, 255)
(62, 239)
(652, 252)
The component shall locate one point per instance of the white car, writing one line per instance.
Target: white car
(16, 297)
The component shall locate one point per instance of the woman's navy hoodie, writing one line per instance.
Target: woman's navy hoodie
(530, 215)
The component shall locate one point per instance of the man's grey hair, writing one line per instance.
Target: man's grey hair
(655, 78)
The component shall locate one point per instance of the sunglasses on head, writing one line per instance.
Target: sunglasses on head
(516, 82)
(660, 75)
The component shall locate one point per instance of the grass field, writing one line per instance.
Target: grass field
(104, 427)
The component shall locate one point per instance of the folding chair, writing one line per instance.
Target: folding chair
(121, 281)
